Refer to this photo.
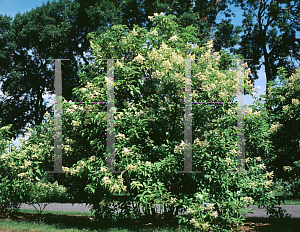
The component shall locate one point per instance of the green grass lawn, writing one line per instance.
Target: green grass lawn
(291, 202)
(30, 220)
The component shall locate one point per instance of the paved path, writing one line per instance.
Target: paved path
(293, 210)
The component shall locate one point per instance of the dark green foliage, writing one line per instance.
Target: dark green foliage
(269, 32)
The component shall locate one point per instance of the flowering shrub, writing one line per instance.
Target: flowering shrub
(150, 129)
(9, 183)
(22, 172)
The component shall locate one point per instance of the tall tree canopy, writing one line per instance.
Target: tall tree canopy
(57, 30)
(269, 32)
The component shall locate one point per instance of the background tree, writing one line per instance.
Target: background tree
(57, 30)
(270, 25)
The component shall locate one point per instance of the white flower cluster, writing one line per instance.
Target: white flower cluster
(269, 174)
(167, 65)
(131, 167)
(199, 196)
(269, 183)
(148, 163)
(27, 163)
(258, 159)
(294, 77)
(173, 38)
(154, 32)
(204, 143)
(133, 32)
(287, 168)
(65, 169)
(285, 108)
(106, 180)
(69, 141)
(120, 179)
(126, 152)
(228, 160)
(233, 151)
(139, 58)
(67, 148)
(173, 200)
(248, 200)
(75, 123)
(23, 174)
(295, 102)
(157, 74)
(103, 169)
(209, 206)
(70, 111)
(262, 166)
(34, 156)
(190, 210)
(120, 115)
(164, 46)
(195, 223)
(275, 127)
(47, 115)
(210, 44)
(92, 158)
(119, 64)
(282, 98)
(120, 136)
(248, 110)
(136, 184)
(180, 148)
(116, 188)
(214, 214)
(75, 170)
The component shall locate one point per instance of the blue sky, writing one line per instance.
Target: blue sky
(12, 7)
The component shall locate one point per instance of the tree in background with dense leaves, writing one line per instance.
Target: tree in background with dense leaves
(53, 30)
(274, 29)
(58, 29)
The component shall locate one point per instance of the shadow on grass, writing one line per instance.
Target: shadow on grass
(148, 223)
(84, 222)
(271, 224)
